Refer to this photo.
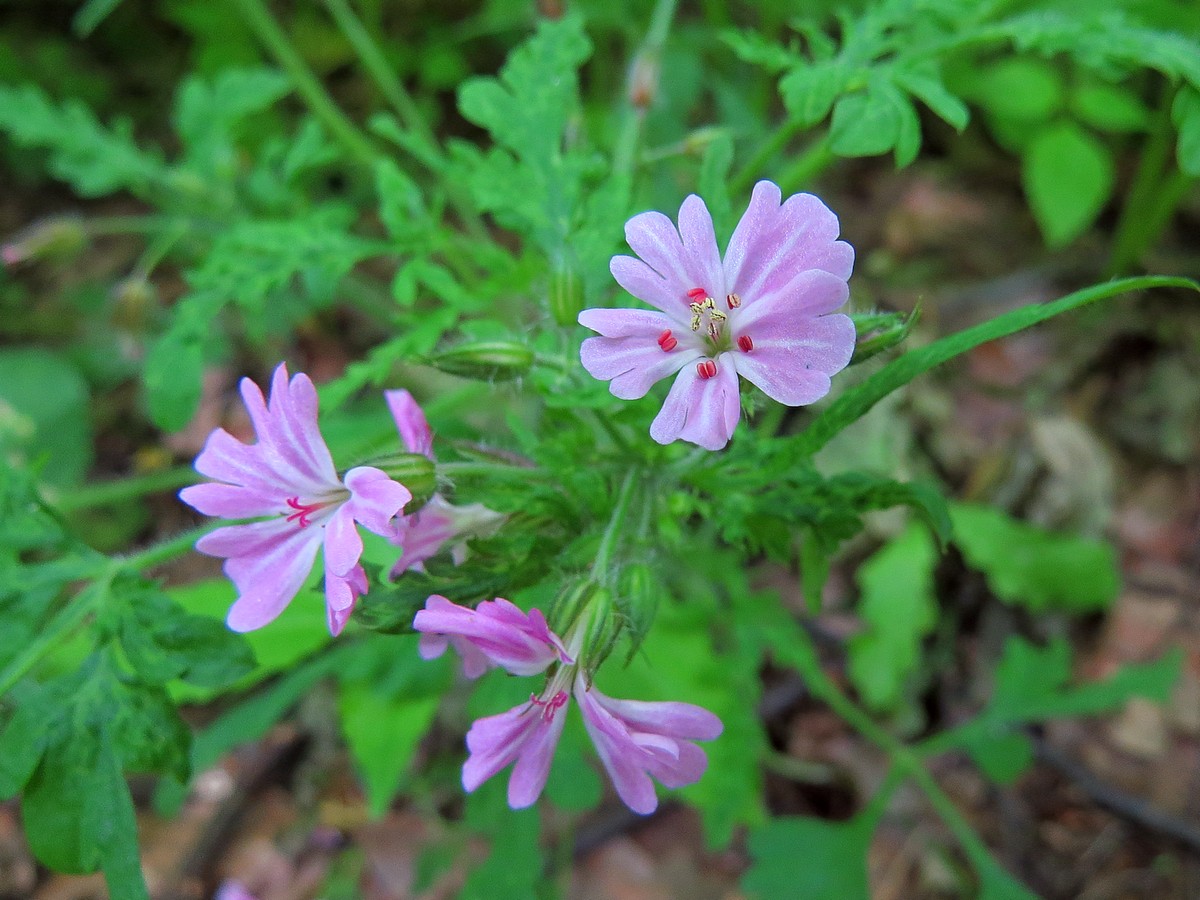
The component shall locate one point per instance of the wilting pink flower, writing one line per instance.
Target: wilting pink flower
(438, 522)
(495, 633)
(634, 739)
(288, 480)
(763, 311)
(637, 739)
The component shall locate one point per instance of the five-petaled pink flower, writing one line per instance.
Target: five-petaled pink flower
(634, 739)
(288, 480)
(438, 522)
(764, 311)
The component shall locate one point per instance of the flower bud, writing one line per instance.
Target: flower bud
(570, 604)
(566, 296)
(415, 472)
(52, 238)
(637, 599)
(878, 332)
(600, 630)
(643, 81)
(485, 360)
(133, 300)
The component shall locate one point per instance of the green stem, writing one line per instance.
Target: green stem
(111, 492)
(611, 430)
(165, 551)
(745, 176)
(488, 470)
(608, 543)
(259, 18)
(815, 159)
(625, 150)
(1132, 235)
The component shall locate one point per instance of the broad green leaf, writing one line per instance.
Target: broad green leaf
(1028, 566)
(899, 609)
(174, 367)
(1020, 88)
(53, 402)
(865, 124)
(809, 91)
(1002, 755)
(1185, 112)
(752, 47)
(111, 819)
(855, 402)
(997, 884)
(55, 801)
(1107, 107)
(25, 736)
(514, 867)
(795, 857)
(1068, 177)
(208, 111)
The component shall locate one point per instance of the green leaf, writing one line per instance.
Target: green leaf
(94, 160)
(513, 868)
(752, 47)
(1185, 112)
(1002, 755)
(53, 807)
(174, 367)
(112, 821)
(208, 111)
(809, 91)
(54, 404)
(1028, 566)
(997, 884)
(25, 735)
(925, 83)
(1107, 107)
(855, 402)
(866, 124)
(899, 609)
(1068, 177)
(385, 715)
(796, 856)
(89, 16)
(1020, 88)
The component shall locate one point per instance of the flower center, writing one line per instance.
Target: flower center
(305, 511)
(551, 706)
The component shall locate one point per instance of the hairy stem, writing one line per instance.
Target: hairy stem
(264, 26)
(647, 57)
(110, 492)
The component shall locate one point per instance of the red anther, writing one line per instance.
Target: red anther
(706, 369)
(667, 342)
(697, 294)
(733, 301)
(745, 344)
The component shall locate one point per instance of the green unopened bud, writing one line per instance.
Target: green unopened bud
(572, 601)
(881, 331)
(638, 592)
(51, 239)
(566, 296)
(133, 300)
(600, 630)
(415, 472)
(485, 360)
(696, 142)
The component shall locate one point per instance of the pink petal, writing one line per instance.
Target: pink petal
(410, 422)
(630, 355)
(792, 360)
(703, 411)
(702, 257)
(343, 544)
(422, 535)
(524, 733)
(341, 594)
(225, 458)
(680, 720)
(506, 636)
(232, 501)
(375, 499)
(644, 283)
(654, 238)
(275, 561)
(529, 775)
(811, 292)
(772, 242)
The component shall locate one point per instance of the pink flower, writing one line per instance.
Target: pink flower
(288, 480)
(438, 522)
(496, 633)
(763, 311)
(635, 740)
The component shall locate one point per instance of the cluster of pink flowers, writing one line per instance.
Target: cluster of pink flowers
(634, 739)
(764, 311)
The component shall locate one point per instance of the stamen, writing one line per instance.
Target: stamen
(696, 294)
(745, 344)
(303, 510)
(555, 703)
(697, 311)
(706, 369)
(733, 300)
(667, 341)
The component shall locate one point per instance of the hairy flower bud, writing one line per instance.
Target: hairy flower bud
(52, 238)
(415, 472)
(566, 296)
(878, 332)
(637, 599)
(485, 360)
(570, 604)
